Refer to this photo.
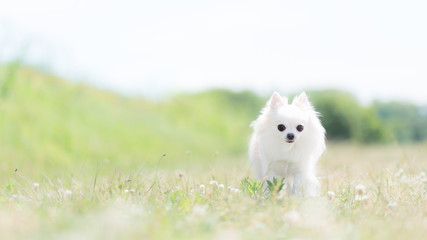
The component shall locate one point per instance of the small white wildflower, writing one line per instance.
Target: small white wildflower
(399, 173)
(221, 186)
(360, 189)
(36, 186)
(292, 217)
(235, 190)
(361, 193)
(423, 177)
(126, 191)
(229, 187)
(213, 182)
(331, 195)
(68, 193)
(202, 188)
(361, 197)
(13, 198)
(391, 205)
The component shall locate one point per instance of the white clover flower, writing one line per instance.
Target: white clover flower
(36, 186)
(361, 193)
(391, 205)
(68, 193)
(202, 188)
(233, 190)
(213, 182)
(221, 186)
(423, 177)
(361, 197)
(126, 191)
(331, 195)
(399, 173)
(360, 189)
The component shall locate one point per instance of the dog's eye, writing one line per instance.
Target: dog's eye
(281, 127)
(300, 128)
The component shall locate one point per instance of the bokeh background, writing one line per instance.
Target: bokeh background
(130, 119)
(140, 83)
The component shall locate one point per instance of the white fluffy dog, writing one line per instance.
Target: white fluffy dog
(287, 141)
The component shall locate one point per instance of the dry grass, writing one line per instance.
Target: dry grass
(376, 192)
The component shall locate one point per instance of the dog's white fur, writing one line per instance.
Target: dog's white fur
(273, 155)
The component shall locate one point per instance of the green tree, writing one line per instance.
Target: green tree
(344, 119)
(406, 121)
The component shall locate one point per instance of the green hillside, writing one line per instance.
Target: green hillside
(48, 123)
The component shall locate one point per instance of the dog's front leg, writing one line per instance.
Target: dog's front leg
(296, 184)
(311, 186)
(307, 185)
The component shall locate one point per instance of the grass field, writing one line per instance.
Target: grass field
(81, 163)
(367, 193)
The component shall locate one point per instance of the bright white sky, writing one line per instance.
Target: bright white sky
(375, 49)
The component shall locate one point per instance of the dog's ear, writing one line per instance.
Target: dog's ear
(302, 101)
(276, 101)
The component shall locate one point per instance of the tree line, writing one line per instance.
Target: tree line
(345, 119)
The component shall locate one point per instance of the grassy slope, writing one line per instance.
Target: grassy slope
(48, 123)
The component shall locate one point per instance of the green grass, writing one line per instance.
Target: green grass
(218, 203)
(80, 163)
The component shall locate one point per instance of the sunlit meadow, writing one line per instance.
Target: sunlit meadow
(367, 193)
(79, 163)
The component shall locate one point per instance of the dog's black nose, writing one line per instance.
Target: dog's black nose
(290, 136)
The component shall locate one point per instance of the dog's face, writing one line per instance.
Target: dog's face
(288, 123)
